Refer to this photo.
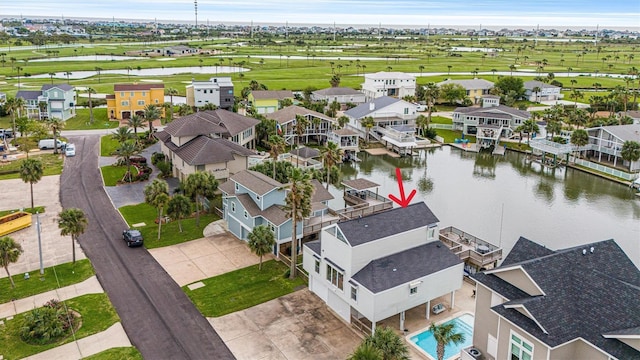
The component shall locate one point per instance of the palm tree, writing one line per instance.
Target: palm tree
(151, 113)
(178, 208)
(156, 194)
(368, 123)
(51, 75)
(90, 91)
(630, 152)
(9, 253)
(171, 92)
(98, 70)
(512, 67)
(431, 95)
(300, 127)
(421, 67)
(31, 172)
(331, 155)
(72, 221)
(580, 138)
(342, 121)
(536, 90)
(261, 241)
(554, 127)
(445, 334)
(122, 134)
(56, 125)
(129, 68)
(67, 74)
(366, 351)
(297, 207)
(575, 96)
(389, 343)
(422, 122)
(277, 147)
(198, 186)
(530, 126)
(124, 152)
(135, 121)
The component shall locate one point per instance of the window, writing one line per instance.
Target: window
(199, 167)
(257, 197)
(131, 93)
(520, 349)
(141, 102)
(432, 232)
(354, 293)
(124, 103)
(335, 277)
(246, 214)
(317, 268)
(413, 290)
(144, 93)
(237, 187)
(406, 111)
(233, 207)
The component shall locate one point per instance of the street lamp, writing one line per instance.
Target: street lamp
(39, 244)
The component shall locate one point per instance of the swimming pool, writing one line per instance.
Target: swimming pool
(427, 343)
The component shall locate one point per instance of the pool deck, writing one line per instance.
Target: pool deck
(415, 320)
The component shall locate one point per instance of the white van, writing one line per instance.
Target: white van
(46, 144)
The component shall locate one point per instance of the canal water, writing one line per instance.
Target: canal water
(500, 198)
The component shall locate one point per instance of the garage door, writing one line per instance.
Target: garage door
(339, 306)
(319, 288)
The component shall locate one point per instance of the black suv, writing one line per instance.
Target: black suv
(132, 237)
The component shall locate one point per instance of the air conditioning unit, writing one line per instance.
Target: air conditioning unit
(475, 353)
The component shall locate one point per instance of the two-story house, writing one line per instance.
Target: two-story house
(52, 101)
(268, 101)
(218, 141)
(217, 91)
(250, 198)
(576, 303)
(386, 112)
(130, 99)
(536, 91)
(502, 119)
(393, 84)
(318, 124)
(342, 95)
(606, 144)
(476, 88)
(371, 268)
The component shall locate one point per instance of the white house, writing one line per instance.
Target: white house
(545, 92)
(503, 118)
(375, 267)
(343, 95)
(394, 84)
(217, 91)
(385, 111)
(606, 143)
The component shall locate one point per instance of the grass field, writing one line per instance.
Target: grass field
(51, 164)
(170, 235)
(56, 276)
(82, 120)
(121, 353)
(242, 289)
(108, 145)
(97, 315)
(112, 174)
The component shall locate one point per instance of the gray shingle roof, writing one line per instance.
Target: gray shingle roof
(387, 223)
(274, 213)
(289, 113)
(204, 150)
(363, 110)
(337, 91)
(406, 266)
(305, 152)
(271, 94)
(579, 300)
(208, 122)
(255, 181)
(320, 193)
(503, 110)
(624, 132)
(360, 184)
(28, 94)
(314, 246)
(470, 84)
(525, 249)
(63, 87)
(529, 85)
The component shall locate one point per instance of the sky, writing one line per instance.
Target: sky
(468, 14)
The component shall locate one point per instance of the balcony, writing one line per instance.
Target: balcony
(475, 252)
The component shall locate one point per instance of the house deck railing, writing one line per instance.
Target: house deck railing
(362, 327)
(468, 247)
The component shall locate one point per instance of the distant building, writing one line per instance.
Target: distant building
(343, 95)
(52, 101)
(546, 92)
(176, 50)
(268, 101)
(576, 303)
(392, 84)
(476, 88)
(217, 91)
(130, 99)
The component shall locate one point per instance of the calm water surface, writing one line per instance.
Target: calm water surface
(477, 192)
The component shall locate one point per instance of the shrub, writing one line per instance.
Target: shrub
(47, 324)
(165, 168)
(431, 133)
(156, 157)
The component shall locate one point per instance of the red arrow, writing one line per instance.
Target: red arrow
(403, 201)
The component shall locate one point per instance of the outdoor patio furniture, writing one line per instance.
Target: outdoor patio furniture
(437, 308)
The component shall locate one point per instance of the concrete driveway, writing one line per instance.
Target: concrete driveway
(293, 327)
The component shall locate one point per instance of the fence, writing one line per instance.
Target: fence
(287, 261)
(605, 169)
(441, 126)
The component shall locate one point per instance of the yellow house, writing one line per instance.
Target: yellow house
(476, 88)
(268, 101)
(132, 98)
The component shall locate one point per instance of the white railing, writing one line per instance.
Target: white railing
(605, 169)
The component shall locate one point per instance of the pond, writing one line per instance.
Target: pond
(90, 58)
(165, 71)
(500, 198)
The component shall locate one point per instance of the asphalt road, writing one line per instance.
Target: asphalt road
(158, 317)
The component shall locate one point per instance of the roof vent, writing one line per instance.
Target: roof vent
(592, 248)
(584, 251)
(394, 269)
(372, 106)
(367, 225)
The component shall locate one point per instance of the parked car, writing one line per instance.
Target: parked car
(46, 144)
(6, 133)
(70, 150)
(132, 237)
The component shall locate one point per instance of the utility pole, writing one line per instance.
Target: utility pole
(39, 243)
(334, 31)
(195, 6)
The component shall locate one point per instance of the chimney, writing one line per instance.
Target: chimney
(372, 106)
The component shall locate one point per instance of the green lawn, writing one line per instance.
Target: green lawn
(449, 136)
(97, 315)
(108, 146)
(112, 174)
(39, 209)
(171, 235)
(441, 120)
(67, 274)
(51, 164)
(120, 353)
(242, 289)
(82, 120)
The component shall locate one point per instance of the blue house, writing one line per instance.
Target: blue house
(52, 101)
(250, 198)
